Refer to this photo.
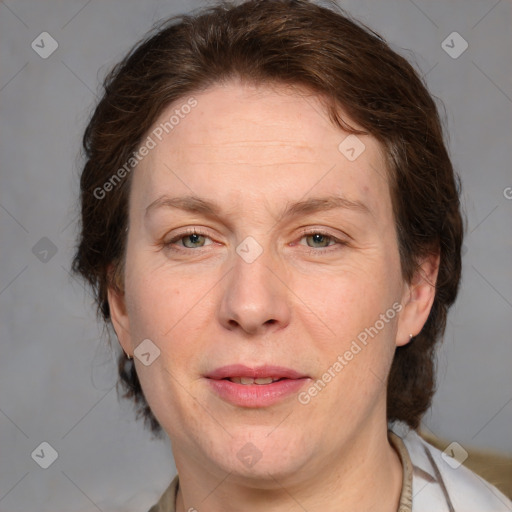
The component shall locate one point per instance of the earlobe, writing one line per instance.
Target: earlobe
(417, 300)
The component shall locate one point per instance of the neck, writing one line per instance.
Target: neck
(365, 475)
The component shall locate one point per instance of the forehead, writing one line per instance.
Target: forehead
(258, 142)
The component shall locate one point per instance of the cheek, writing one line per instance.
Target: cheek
(154, 305)
(151, 297)
(343, 318)
(160, 310)
(169, 307)
(351, 297)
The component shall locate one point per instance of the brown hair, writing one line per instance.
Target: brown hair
(294, 42)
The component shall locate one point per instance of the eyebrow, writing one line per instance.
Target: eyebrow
(194, 204)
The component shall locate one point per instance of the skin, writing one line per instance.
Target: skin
(253, 150)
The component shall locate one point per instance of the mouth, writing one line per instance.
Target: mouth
(248, 380)
(255, 387)
(242, 374)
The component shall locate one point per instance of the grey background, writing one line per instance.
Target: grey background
(57, 372)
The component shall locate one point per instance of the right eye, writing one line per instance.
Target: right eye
(190, 236)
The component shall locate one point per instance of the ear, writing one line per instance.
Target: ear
(417, 299)
(119, 315)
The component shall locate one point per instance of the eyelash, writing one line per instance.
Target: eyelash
(322, 250)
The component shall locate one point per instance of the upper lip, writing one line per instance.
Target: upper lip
(257, 372)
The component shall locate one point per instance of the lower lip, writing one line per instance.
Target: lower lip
(256, 395)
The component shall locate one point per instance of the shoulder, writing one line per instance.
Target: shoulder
(167, 501)
(441, 483)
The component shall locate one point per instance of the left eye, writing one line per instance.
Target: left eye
(319, 238)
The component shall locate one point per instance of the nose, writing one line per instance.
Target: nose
(255, 297)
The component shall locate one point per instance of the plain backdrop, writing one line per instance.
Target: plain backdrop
(57, 373)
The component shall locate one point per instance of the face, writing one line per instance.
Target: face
(259, 247)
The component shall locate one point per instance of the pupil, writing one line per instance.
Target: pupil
(193, 238)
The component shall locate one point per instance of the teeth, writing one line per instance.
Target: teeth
(266, 380)
(249, 380)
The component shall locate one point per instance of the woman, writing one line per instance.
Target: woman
(271, 224)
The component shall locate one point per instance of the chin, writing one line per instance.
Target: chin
(266, 455)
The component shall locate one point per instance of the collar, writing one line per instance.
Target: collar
(429, 488)
(442, 484)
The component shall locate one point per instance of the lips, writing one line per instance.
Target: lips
(238, 371)
(255, 387)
